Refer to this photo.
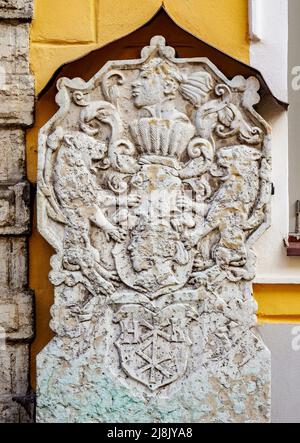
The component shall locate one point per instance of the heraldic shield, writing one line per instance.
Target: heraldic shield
(154, 347)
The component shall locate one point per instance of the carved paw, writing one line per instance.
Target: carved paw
(114, 277)
(117, 234)
(177, 225)
(200, 264)
(198, 278)
(106, 288)
(109, 275)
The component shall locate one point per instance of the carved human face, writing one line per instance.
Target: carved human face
(139, 251)
(225, 158)
(148, 89)
(155, 246)
(96, 151)
(92, 153)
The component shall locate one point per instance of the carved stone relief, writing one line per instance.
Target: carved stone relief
(154, 183)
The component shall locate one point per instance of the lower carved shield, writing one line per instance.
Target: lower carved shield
(154, 347)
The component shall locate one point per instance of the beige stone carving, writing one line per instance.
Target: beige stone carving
(154, 183)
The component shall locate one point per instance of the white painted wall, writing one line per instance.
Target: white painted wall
(273, 264)
(294, 109)
(270, 54)
(284, 344)
(268, 24)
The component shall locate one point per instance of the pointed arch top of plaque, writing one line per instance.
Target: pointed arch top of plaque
(185, 43)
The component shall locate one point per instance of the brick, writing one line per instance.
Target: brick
(9, 411)
(14, 48)
(12, 146)
(16, 84)
(14, 371)
(16, 302)
(9, 321)
(16, 316)
(14, 209)
(17, 100)
(22, 9)
(13, 269)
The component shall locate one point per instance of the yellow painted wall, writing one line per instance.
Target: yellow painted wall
(66, 29)
(63, 30)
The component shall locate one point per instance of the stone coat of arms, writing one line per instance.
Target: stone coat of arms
(154, 183)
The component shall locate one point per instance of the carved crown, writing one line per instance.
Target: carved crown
(162, 137)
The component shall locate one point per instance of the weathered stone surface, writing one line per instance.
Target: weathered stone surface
(154, 183)
(13, 382)
(12, 146)
(16, 302)
(14, 266)
(21, 9)
(16, 330)
(14, 48)
(227, 378)
(16, 84)
(16, 316)
(11, 412)
(14, 209)
(16, 379)
(17, 100)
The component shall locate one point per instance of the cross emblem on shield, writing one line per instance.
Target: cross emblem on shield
(154, 347)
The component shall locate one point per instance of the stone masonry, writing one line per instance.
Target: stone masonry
(16, 301)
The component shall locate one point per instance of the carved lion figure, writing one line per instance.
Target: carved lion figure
(81, 199)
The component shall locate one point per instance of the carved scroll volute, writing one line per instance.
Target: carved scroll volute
(201, 153)
(221, 118)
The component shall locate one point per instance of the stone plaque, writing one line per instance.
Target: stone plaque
(154, 184)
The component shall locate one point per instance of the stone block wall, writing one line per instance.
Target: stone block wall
(16, 300)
